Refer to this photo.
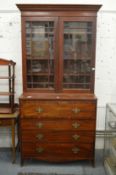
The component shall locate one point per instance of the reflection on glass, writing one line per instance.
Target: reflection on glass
(77, 54)
(40, 54)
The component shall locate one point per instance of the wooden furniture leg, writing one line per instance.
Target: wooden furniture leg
(13, 141)
(10, 120)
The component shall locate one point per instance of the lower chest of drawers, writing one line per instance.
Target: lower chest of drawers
(54, 137)
(69, 140)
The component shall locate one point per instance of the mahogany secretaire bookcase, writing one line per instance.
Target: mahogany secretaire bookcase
(58, 106)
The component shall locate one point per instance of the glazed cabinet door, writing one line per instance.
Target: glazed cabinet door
(77, 53)
(39, 53)
(58, 53)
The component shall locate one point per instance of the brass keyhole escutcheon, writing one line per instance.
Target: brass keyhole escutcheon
(75, 125)
(39, 125)
(76, 137)
(76, 110)
(39, 110)
(40, 150)
(75, 150)
(40, 136)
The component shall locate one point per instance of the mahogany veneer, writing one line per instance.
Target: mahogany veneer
(58, 106)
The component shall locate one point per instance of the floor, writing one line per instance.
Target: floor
(75, 168)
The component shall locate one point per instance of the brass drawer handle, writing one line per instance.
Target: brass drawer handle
(76, 137)
(39, 125)
(40, 136)
(76, 110)
(39, 110)
(40, 150)
(75, 125)
(75, 150)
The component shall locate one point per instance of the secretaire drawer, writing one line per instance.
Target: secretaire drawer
(55, 125)
(60, 109)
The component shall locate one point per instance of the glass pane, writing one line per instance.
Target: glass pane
(40, 54)
(77, 54)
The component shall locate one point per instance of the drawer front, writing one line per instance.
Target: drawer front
(57, 152)
(57, 125)
(58, 137)
(58, 109)
(5, 122)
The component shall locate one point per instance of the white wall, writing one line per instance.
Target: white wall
(10, 4)
(105, 82)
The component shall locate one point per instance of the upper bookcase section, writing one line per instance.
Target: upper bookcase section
(58, 47)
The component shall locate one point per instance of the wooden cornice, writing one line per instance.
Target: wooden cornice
(57, 7)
